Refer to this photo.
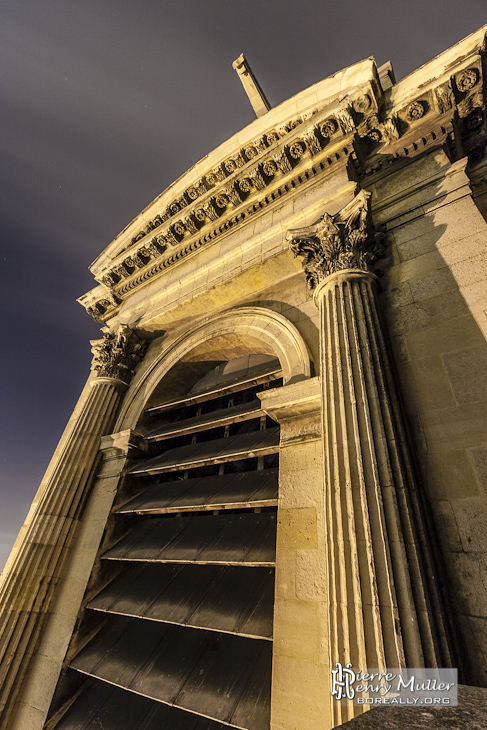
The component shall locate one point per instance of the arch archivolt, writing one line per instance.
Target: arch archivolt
(224, 336)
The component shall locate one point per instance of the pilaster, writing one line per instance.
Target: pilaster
(301, 692)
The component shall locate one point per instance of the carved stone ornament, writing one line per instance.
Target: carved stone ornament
(374, 136)
(347, 240)
(469, 104)
(312, 142)
(444, 97)
(362, 104)
(346, 121)
(414, 111)
(467, 79)
(474, 120)
(257, 180)
(117, 354)
(270, 168)
(297, 150)
(328, 128)
(390, 130)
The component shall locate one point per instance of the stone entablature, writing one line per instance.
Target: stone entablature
(355, 122)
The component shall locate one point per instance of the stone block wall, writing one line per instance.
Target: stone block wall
(435, 298)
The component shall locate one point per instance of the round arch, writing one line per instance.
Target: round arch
(250, 329)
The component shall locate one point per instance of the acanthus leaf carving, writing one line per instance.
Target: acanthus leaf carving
(312, 142)
(469, 104)
(110, 279)
(257, 180)
(347, 240)
(190, 224)
(210, 211)
(200, 187)
(120, 270)
(171, 238)
(390, 130)
(282, 162)
(117, 355)
(233, 195)
(220, 173)
(345, 121)
(445, 99)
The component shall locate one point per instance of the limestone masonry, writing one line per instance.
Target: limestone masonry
(279, 460)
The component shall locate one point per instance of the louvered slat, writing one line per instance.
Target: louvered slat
(224, 491)
(185, 640)
(183, 667)
(236, 539)
(221, 417)
(205, 453)
(232, 387)
(217, 598)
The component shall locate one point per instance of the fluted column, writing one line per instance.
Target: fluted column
(385, 608)
(29, 583)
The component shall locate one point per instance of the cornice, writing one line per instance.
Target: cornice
(374, 132)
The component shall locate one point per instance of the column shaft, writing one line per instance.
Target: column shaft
(385, 606)
(384, 602)
(28, 589)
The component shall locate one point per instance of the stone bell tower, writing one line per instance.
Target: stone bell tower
(278, 461)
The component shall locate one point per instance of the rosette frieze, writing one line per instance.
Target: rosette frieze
(364, 127)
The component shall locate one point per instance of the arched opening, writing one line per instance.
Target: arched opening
(173, 368)
(177, 625)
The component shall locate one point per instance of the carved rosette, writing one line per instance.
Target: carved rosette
(453, 111)
(347, 240)
(117, 355)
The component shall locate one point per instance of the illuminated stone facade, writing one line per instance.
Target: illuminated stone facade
(342, 233)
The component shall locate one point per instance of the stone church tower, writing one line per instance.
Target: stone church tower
(279, 459)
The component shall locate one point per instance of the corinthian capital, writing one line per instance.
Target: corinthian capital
(347, 240)
(117, 354)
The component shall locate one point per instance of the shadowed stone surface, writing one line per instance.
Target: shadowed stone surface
(470, 714)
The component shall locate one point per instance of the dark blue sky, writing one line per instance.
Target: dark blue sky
(104, 104)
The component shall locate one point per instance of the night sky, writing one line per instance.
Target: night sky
(104, 104)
